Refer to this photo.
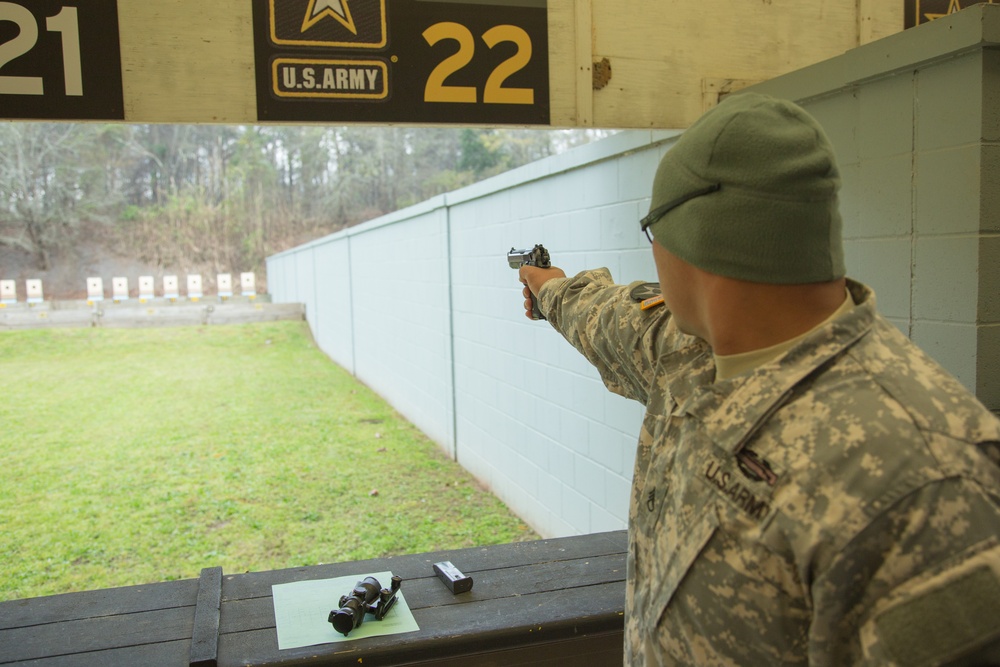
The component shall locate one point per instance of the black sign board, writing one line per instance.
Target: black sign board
(416, 61)
(60, 59)
(922, 11)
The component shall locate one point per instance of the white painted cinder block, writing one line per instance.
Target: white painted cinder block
(401, 338)
(305, 280)
(331, 319)
(523, 411)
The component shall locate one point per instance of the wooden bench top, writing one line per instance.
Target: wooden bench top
(548, 602)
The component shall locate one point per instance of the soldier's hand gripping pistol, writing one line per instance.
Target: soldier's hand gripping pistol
(537, 256)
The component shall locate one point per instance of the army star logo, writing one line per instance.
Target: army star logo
(320, 9)
(355, 24)
(953, 6)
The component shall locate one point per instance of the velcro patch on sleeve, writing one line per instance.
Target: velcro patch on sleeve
(943, 623)
(644, 291)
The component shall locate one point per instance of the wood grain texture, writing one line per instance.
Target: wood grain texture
(547, 602)
(663, 52)
(205, 635)
(187, 61)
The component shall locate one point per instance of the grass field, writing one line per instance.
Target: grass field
(133, 456)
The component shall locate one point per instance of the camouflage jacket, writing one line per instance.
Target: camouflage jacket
(839, 505)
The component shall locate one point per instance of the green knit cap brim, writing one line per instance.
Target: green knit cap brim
(775, 217)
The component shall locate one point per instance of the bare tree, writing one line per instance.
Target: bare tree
(47, 178)
(187, 196)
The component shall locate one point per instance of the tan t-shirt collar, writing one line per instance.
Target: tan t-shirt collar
(730, 365)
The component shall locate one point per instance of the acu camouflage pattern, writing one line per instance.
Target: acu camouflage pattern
(809, 512)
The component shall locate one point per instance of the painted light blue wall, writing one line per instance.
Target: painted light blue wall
(422, 307)
(915, 119)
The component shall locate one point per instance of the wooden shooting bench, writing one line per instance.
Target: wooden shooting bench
(549, 602)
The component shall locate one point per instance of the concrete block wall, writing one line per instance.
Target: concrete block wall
(422, 306)
(534, 421)
(915, 119)
(378, 303)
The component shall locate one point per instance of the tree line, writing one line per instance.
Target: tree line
(228, 196)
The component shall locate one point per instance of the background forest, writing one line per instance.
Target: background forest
(95, 199)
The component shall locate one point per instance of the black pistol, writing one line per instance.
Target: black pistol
(537, 256)
(368, 596)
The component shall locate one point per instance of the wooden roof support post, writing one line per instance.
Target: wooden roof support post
(205, 637)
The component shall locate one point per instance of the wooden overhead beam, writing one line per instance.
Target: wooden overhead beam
(610, 63)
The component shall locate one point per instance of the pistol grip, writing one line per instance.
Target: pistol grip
(536, 312)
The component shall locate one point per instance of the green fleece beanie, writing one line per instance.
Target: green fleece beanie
(758, 183)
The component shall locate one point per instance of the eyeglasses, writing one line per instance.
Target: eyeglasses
(661, 211)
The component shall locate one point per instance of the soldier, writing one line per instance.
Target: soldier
(809, 487)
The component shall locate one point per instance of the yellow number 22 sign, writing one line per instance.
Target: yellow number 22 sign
(421, 61)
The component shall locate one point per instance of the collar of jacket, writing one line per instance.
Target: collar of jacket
(732, 411)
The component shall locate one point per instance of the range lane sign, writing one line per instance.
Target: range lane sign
(421, 61)
(60, 59)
